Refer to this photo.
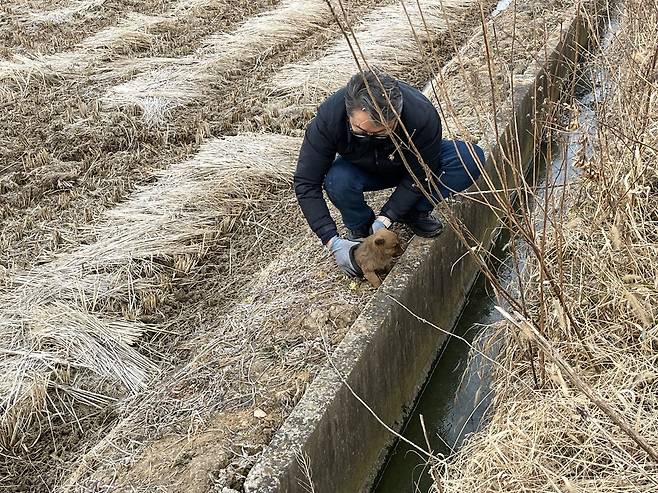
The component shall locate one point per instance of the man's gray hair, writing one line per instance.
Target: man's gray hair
(380, 85)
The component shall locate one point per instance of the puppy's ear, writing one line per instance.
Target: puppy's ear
(380, 241)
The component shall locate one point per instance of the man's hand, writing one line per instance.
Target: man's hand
(340, 249)
(380, 222)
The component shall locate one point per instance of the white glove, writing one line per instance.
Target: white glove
(340, 249)
(379, 223)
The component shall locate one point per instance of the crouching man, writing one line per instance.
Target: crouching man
(356, 143)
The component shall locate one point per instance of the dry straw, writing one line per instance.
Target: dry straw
(61, 15)
(132, 32)
(53, 314)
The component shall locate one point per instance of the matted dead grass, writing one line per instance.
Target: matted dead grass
(62, 14)
(602, 244)
(48, 312)
(255, 359)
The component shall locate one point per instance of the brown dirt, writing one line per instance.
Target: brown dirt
(40, 472)
(195, 462)
(182, 36)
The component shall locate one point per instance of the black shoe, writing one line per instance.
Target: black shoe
(363, 232)
(423, 224)
(358, 234)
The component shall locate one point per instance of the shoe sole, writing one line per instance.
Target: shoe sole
(425, 234)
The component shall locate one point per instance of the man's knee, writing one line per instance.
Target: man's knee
(470, 153)
(461, 165)
(458, 155)
(341, 181)
(479, 153)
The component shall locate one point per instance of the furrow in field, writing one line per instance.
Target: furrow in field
(26, 30)
(230, 216)
(379, 26)
(132, 32)
(62, 14)
(277, 311)
(95, 272)
(89, 260)
(101, 300)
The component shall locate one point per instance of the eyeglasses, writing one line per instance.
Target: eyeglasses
(363, 135)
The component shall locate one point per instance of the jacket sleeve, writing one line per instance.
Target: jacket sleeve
(407, 194)
(317, 153)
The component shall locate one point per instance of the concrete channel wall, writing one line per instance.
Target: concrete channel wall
(386, 355)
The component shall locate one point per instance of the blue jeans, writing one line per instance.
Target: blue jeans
(345, 183)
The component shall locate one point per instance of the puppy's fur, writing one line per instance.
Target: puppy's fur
(376, 253)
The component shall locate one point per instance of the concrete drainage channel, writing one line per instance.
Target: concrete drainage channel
(387, 354)
(455, 396)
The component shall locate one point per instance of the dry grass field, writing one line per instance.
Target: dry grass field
(163, 305)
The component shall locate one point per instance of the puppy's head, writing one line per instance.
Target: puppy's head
(388, 242)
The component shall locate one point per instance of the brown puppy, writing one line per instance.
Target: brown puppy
(376, 253)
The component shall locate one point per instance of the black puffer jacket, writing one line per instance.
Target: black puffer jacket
(328, 134)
